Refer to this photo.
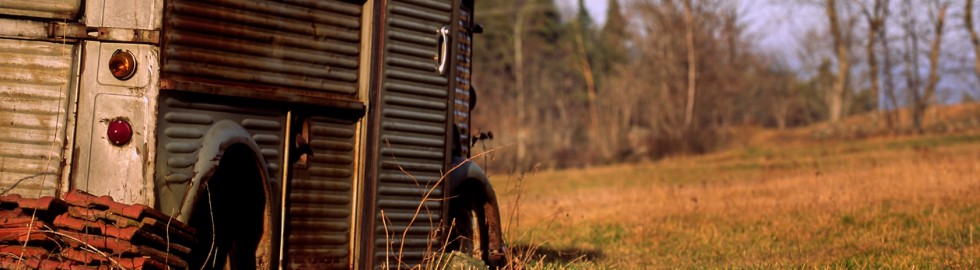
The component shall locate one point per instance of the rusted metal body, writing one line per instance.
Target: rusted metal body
(49, 9)
(320, 196)
(410, 138)
(463, 93)
(34, 108)
(297, 49)
(348, 115)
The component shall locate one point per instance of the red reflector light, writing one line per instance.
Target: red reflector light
(120, 132)
(122, 64)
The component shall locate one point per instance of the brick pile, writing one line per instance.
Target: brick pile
(82, 231)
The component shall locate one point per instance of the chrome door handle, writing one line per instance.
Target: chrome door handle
(444, 44)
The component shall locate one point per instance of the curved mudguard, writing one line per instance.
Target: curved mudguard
(464, 171)
(219, 137)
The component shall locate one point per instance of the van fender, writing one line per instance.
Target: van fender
(466, 171)
(218, 138)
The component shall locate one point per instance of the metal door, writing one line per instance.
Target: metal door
(410, 141)
(319, 202)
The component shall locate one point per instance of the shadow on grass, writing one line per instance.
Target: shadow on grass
(550, 255)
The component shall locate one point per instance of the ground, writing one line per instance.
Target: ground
(888, 201)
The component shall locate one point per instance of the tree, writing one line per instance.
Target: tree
(875, 19)
(520, 83)
(974, 37)
(692, 60)
(922, 101)
(612, 51)
(887, 65)
(583, 37)
(841, 44)
(661, 77)
(683, 48)
(618, 102)
(922, 95)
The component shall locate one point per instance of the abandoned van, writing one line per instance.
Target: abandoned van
(239, 134)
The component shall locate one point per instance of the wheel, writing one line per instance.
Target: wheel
(229, 216)
(469, 233)
(471, 240)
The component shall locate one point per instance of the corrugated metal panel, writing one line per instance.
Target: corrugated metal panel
(34, 93)
(183, 122)
(319, 215)
(412, 140)
(296, 44)
(464, 65)
(52, 9)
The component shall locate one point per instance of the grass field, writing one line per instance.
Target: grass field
(896, 202)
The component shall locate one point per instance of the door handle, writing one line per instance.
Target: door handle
(444, 41)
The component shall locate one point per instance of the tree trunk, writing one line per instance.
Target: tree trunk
(836, 97)
(912, 77)
(586, 68)
(874, 24)
(522, 133)
(691, 64)
(974, 37)
(891, 119)
(930, 91)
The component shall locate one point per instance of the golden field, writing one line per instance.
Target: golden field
(907, 202)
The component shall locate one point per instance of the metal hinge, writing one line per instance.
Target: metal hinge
(60, 30)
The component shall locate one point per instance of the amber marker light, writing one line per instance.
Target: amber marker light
(122, 64)
(120, 132)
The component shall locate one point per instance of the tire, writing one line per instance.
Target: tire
(469, 232)
(229, 216)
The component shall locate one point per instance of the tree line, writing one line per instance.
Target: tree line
(664, 77)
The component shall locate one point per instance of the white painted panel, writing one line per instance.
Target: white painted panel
(118, 171)
(123, 172)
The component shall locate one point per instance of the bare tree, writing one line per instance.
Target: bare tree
(692, 61)
(974, 37)
(838, 92)
(891, 119)
(661, 42)
(564, 97)
(922, 95)
(922, 101)
(911, 51)
(875, 19)
(521, 9)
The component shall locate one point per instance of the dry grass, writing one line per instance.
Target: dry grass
(906, 202)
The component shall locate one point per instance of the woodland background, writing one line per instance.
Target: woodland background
(677, 77)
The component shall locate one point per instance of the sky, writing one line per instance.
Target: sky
(597, 8)
(769, 21)
(778, 26)
(762, 15)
